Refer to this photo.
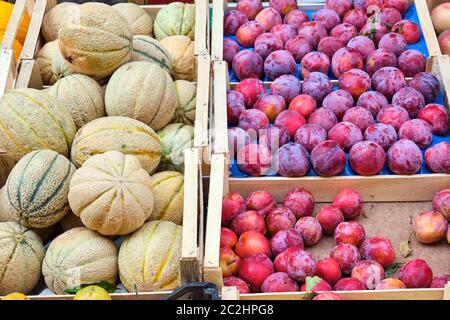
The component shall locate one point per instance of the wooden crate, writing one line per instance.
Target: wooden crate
(220, 6)
(388, 213)
(28, 76)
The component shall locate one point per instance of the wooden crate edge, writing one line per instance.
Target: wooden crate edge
(190, 266)
(219, 183)
(201, 139)
(8, 73)
(427, 28)
(218, 11)
(201, 45)
(399, 294)
(220, 124)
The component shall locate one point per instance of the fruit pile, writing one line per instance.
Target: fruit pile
(95, 164)
(432, 226)
(374, 115)
(441, 22)
(263, 246)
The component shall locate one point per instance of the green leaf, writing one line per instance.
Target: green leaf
(311, 282)
(392, 269)
(109, 287)
(405, 247)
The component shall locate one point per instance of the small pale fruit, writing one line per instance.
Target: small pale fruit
(92, 293)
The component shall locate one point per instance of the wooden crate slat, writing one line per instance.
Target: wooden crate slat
(427, 28)
(190, 253)
(408, 294)
(8, 71)
(202, 101)
(13, 24)
(220, 125)
(201, 29)
(34, 30)
(392, 188)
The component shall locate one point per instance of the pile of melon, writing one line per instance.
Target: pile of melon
(96, 192)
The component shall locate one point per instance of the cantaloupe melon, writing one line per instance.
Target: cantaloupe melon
(181, 50)
(44, 59)
(146, 48)
(99, 43)
(4, 215)
(82, 96)
(121, 134)
(186, 97)
(21, 254)
(37, 188)
(175, 19)
(30, 120)
(168, 188)
(139, 20)
(175, 138)
(143, 91)
(111, 193)
(60, 67)
(149, 259)
(79, 256)
(56, 17)
(51, 63)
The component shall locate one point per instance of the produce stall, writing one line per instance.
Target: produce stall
(254, 82)
(119, 97)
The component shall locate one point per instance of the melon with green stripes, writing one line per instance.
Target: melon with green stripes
(37, 188)
(143, 91)
(173, 19)
(146, 48)
(122, 134)
(175, 138)
(79, 256)
(82, 96)
(98, 43)
(168, 189)
(30, 120)
(149, 259)
(186, 102)
(21, 257)
(112, 194)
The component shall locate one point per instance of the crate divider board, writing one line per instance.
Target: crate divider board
(389, 205)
